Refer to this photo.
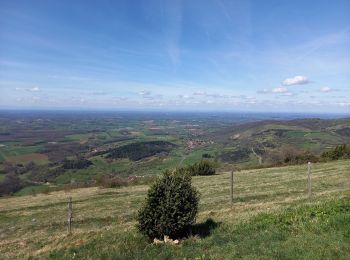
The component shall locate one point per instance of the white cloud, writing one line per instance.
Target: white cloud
(184, 96)
(119, 99)
(344, 104)
(217, 96)
(325, 89)
(199, 93)
(144, 93)
(153, 97)
(279, 90)
(289, 94)
(212, 95)
(98, 93)
(33, 89)
(264, 91)
(297, 80)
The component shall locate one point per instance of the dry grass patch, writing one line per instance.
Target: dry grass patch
(26, 158)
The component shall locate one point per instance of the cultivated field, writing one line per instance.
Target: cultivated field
(272, 217)
(35, 145)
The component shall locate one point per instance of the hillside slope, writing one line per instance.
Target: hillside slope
(270, 139)
(272, 217)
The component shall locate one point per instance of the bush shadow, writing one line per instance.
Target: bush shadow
(204, 229)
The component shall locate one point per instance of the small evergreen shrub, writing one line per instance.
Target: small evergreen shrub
(339, 152)
(201, 168)
(171, 206)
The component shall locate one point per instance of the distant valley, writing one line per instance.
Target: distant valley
(47, 150)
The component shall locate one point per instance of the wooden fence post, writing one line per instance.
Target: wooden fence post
(231, 189)
(309, 178)
(70, 214)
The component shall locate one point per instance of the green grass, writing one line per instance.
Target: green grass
(313, 232)
(156, 164)
(2, 177)
(272, 218)
(114, 132)
(77, 137)
(26, 158)
(79, 176)
(148, 166)
(31, 190)
(296, 134)
(102, 165)
(196, 155)
(312, 140)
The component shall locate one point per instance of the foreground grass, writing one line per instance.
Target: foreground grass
(271, 218)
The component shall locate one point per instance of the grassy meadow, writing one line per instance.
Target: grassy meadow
(272, 217)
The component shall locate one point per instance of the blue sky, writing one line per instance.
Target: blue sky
(291, 56)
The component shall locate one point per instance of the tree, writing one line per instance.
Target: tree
(340, 151)
(201, 168)
(170, 207)
(10, 185)
(79, 163)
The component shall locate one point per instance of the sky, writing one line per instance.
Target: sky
(259, 56)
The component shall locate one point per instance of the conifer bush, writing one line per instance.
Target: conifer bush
(170, 207)
(201, 168)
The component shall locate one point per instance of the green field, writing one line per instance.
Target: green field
(16, 149)
(30, 190)
(272, 217)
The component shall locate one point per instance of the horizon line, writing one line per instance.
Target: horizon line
(143, 110)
